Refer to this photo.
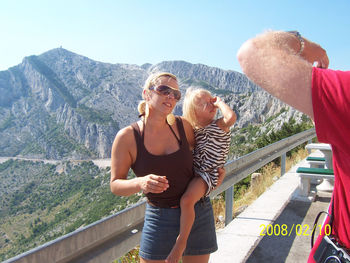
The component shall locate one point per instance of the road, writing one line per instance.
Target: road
(102, 163)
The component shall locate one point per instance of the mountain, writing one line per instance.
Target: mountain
(61, 105)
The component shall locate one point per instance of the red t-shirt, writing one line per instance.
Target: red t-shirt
(331, 106)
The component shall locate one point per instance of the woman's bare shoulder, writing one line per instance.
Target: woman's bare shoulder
(125, 137)
(188, 131)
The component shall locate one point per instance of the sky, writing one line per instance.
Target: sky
(209, 32)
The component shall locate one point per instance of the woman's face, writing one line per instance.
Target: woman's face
(162, 99)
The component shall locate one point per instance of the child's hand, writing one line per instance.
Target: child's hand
(216, 101)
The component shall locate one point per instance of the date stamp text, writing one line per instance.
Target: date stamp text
(298, 229)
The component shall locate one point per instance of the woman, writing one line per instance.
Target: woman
(158, 149)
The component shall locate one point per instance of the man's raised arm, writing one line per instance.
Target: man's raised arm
(281, 63)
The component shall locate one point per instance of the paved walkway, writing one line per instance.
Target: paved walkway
(244, 239)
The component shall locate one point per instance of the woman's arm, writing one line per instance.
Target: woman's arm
(229, 116)
(123, 155)
(122, 158)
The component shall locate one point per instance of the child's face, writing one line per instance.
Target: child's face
(204, 107)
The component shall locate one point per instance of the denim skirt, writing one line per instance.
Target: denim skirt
(161, 228)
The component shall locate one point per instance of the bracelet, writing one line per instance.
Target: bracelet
(301, 40)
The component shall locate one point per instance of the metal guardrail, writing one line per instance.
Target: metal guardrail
(240, 168)
(112, 237)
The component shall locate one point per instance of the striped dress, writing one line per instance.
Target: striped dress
(210, 153)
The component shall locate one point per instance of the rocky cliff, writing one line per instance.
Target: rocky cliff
(63, 105)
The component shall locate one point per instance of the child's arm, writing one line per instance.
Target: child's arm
(229, 116)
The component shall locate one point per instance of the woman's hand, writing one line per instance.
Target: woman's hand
(153, 184)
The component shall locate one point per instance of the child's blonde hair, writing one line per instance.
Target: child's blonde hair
(189, 106)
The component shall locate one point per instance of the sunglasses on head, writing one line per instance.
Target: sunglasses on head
(166, 91)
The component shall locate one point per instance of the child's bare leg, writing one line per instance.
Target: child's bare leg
(195, 190)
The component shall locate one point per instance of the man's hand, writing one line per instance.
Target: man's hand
(315, 54)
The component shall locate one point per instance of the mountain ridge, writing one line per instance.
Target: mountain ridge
(61, 105)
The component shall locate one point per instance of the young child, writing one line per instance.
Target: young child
(210, 153)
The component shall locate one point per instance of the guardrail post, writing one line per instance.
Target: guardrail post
(228, 205)
(283, 164)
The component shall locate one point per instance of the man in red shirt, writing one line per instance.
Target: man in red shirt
(282, 64)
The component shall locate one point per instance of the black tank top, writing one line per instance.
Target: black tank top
(177, 167)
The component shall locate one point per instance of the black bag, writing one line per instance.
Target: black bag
(329, 250)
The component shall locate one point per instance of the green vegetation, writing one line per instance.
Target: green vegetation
(41, 202)
(275, 116)
(95, 116)
(7, 123)
(288, 129)
(55, 138)
(248, 139)
(251, 138)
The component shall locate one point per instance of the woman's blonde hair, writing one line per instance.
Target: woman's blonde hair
(150, 82)
(189, 106)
